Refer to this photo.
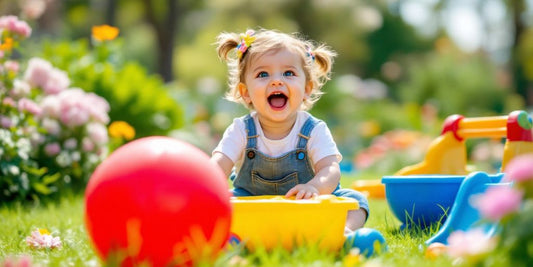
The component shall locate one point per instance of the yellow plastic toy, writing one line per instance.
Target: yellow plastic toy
(447, 153)
(275, 221)
(370, 188)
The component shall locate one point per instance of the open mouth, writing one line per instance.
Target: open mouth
(277, 100)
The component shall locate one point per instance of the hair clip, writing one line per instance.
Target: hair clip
(246, 41)
(310, 53)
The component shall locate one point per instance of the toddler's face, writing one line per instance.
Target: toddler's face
(276, 85)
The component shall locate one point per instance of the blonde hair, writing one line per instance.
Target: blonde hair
(316, 60)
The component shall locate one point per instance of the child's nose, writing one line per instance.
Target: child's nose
(276, 82)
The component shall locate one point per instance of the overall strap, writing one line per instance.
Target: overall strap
(251, 132)
(305, 132)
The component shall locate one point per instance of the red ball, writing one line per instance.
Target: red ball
(158, 200)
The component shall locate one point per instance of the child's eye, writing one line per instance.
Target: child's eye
(289, 73)
(262, 74)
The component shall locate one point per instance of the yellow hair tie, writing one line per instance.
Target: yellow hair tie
(246, 41)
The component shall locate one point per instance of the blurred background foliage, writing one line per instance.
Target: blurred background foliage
(401, 64)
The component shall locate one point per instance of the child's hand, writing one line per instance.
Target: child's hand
(303, 191)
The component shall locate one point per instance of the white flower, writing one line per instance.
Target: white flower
(41, 239)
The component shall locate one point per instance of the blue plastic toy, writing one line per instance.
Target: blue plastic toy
(234, 239)
(367, 240)
(463, 216)
(420, 200)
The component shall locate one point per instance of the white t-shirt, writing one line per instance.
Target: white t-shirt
(319, 146)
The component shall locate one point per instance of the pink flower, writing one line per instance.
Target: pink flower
(57, 81)
(52, 149)
(5, 122)
(28, 105)
(51, 126)
(37, 72)
(23, 261)
(20, 89)
(98, 133)
(70, 143)
(470, 245)
(497, 202)
(14, 25)
(40, 73)
(12, 66)
(74, 115)
(76, 107)
(87, 145)
(50, 106)
(98, 108)
(8, 101)
(520, 169)
(41, 239)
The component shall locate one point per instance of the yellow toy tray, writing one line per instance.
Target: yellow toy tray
(275, 221)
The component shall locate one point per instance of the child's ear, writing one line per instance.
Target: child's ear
(243, 91)
(308, 89)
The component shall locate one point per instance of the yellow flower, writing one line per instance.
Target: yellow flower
(104, 32)
(7, 45)
(353, 258)
(121, 129)
(44, 231)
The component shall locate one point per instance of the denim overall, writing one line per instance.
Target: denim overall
(264, 175)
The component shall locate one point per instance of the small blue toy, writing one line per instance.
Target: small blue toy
(234, 240)
(367, 240)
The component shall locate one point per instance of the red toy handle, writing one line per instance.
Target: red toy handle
(516, 127)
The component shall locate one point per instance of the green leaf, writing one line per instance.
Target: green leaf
(48, 179)
(35, 171)
(41, 188)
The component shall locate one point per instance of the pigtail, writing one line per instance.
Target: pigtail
(323, 57)
(319, 62)
(226, 43)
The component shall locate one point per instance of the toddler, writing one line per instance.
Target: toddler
(279, 148)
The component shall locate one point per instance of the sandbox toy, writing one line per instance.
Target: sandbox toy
(424, 193)
(463, 216)
(421, 199)
(275, 221)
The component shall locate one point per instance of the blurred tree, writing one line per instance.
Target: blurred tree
(516, 23)
(394, 39)
(455, 83)
(110, 13)
(522, 83)
(164, 22)
(166, 17)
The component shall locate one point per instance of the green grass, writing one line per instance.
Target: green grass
(65, 219)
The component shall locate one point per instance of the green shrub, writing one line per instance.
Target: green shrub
(52, 136)
(139, 98)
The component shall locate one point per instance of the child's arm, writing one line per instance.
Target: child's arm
(225, 163)
(328, 175)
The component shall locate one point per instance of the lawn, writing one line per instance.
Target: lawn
(65, 219)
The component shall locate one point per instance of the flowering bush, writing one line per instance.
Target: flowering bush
(52, 136)
(392, 150)
(138, 97)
